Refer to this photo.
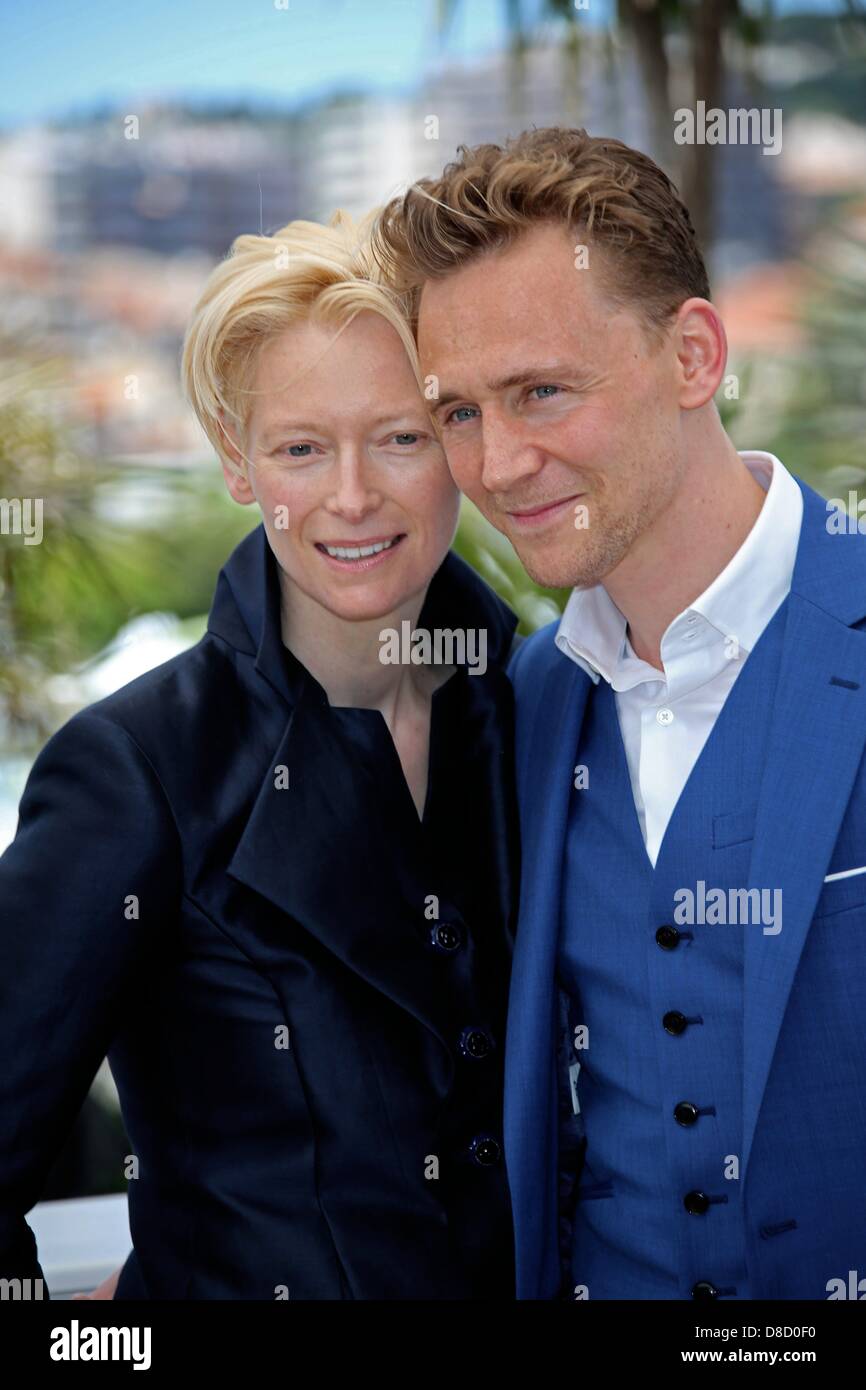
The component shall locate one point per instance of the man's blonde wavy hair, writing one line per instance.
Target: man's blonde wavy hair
(607, 194)
(305, 272)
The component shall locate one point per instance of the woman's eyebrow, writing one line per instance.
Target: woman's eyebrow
(273, 432)
(280, 427)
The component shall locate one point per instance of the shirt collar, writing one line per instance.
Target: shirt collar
(734, 609)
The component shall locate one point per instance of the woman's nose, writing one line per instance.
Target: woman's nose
(355, 493)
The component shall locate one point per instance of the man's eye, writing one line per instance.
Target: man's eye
(548, 391)
(461, 414)
(406, 438)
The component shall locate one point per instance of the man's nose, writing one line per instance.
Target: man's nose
(509, 455)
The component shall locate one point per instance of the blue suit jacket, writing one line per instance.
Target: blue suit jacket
(804, 1091)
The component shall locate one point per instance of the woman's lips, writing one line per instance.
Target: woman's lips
(361, 563)
(536, 517)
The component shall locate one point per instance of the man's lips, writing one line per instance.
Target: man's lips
(546, 511)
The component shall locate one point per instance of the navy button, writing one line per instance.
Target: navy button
(704, 1289)
(696, 1203)
(668, 938)
(685, 1113)
(475, 1043)
(485, 1150)
(447, 937)
(675, 1023)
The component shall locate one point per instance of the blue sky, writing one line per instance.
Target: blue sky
(59, 57)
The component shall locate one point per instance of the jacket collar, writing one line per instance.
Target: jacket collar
(814, 748)
(830, 571)
(246, 612)
(325, 848)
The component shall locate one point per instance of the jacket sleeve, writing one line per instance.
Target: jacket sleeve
(88, 889)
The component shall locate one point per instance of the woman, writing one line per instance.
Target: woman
(274, 879)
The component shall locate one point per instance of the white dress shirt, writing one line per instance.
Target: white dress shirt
(666, 718)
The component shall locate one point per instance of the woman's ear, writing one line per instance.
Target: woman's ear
(237, 478)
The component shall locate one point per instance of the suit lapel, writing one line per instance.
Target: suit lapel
(816, 743)
(545, 761)
(332, 850)
(815, 747)
(328, 851)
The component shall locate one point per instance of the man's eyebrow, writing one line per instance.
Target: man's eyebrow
(527, 376)
(532, 376)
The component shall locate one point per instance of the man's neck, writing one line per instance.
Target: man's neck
(686, 547)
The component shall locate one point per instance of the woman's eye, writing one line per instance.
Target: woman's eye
(461, 414)
(406, 438)
(299, 451)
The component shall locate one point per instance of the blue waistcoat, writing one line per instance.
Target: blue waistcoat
(657, 1074)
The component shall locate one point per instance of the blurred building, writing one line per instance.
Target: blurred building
(189, 180)
(160, 180)
(105, 240)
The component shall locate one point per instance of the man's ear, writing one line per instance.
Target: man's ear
(702, 351)
(237, 482)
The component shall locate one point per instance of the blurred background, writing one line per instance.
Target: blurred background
(136, 141)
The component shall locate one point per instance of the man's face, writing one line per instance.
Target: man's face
(551, 400)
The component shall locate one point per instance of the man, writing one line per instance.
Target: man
(685, 1111)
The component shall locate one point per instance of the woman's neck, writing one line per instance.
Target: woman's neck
(344, 655)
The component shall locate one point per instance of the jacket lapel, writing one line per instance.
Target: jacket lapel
(323, 850)
(546, 758)
(816, 745)
(329, 849)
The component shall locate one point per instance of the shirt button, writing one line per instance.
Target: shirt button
(475, 1043)
(664, 716)
(685, 1113)
(675, 1023)
(696, 1203)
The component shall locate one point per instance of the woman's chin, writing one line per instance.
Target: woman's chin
(367, 595)
(366, 606)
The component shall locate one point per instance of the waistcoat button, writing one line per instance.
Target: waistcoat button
(668, 938)
(696, 1203)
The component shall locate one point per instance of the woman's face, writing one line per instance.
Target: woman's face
(357, 501)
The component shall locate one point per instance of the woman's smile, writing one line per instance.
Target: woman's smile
(359, 556)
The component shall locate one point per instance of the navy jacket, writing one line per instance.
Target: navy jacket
(222, 883)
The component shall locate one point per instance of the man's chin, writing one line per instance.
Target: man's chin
(549, 566)
(553, 571)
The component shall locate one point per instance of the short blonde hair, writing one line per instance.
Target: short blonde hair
(305, 272)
